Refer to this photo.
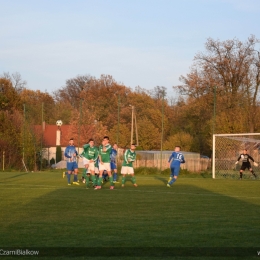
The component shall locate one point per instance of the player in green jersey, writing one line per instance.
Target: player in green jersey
(90, 156)
(127, 166)
(104, 162)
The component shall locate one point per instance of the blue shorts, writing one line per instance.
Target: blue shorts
(113, 166)
(175, 170)
(71, 166)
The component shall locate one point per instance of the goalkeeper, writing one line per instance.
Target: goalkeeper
(246, 163)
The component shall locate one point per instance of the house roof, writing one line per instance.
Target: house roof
(49, 134)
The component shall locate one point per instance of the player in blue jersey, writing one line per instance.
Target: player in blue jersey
(113, 156)
(174, 163)
(71, 157)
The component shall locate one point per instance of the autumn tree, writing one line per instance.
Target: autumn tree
(227, 72)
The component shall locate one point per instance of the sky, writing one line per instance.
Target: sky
(144, 43)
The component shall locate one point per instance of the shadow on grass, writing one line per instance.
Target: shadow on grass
(162, 179)
(13, 176)
(186, 220)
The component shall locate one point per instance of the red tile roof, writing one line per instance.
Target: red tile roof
(49, 134)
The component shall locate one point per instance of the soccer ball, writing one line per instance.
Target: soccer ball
(59, 123)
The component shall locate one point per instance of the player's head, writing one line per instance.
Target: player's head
(245, 151)
(133, 146)
(91, 142)
(71, 141)
(177, 148)
(105, 140)
(115, 146)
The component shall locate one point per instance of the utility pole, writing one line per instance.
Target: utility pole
(214, 111)
(163, 93)
(42, 136)
(118, 118)
(80, 114)
(132, 124)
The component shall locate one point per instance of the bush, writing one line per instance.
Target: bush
(58, 153)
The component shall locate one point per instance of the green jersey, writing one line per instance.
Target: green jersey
(105, 155)
(129, 158)
(90, 153)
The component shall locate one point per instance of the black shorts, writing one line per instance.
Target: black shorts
(245, 165)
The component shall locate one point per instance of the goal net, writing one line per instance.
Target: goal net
(226, 150)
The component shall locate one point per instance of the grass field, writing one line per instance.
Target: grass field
(198, 217)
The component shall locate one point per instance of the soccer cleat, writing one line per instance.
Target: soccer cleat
(63, 174)
(69, 184)
(135, 185)
(123, 185)
(111, 187)
(84, 181)
(76, 183)
(168, 185)
(97, 188)
(115, 181)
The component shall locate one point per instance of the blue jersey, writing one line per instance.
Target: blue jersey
(176, 159)
(69, 151)
(113, 155)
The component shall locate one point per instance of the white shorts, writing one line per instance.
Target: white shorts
(91, 165)
(96, 171)
(85, 161)
(127, 170)
(104, 166)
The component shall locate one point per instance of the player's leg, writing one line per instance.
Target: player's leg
(123, 172)
(92, 173)
(86, 176)
(99, 181)
(75, 178)
(243, 167)
(114, 170)
(110, 177)
(172, 169)
(131, 172)
(85, 170)
(252, 171)
(69, 170)
(175, 173)
(115, 176)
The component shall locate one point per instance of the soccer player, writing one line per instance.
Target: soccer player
(72, 166)
(174, 163)
(246, 163)
(127, 166)
(113, 156)
(90, 155)
(104, 162)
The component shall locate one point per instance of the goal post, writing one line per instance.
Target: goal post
(226, 149)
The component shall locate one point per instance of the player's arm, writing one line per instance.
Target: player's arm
(182, 159)
(126, 156)
(251, 158)
(95, 155)
(170, 159)
(66, 153)
(85, 149)
(99, 154)
(238, 159)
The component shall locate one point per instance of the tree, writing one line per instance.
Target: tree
(230, 69)
(181, 139)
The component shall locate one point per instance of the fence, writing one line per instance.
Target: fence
(193, 161)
